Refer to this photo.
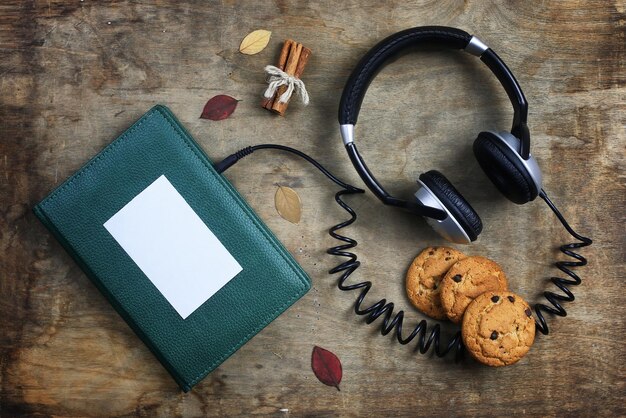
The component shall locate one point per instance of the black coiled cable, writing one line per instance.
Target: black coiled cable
(382, 308)
(425, 339)
(564, 266)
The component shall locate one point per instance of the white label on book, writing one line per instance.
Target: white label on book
(173, 246)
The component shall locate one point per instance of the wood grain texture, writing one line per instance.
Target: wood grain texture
(74, 74)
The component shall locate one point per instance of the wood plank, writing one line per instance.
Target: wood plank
(73, 75)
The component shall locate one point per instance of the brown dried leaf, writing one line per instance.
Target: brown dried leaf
(255, 42)
(219, 107)
(326, 366)
(288, 204)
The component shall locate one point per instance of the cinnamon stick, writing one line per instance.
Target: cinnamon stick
(290, 68)
(282, 60)
(303, 58)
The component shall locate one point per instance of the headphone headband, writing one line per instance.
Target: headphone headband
(447, 37)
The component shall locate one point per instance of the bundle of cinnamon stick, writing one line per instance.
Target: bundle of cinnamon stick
(292, 60)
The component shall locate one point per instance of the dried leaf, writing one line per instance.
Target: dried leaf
(219, 107)
(288, 204)
(255, 42)
(326, 366)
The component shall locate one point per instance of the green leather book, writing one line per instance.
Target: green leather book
(173, 246)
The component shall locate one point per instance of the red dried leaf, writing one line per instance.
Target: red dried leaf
(219, 107)
(326, 366)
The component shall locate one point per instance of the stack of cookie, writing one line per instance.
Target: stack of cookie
(497, 325)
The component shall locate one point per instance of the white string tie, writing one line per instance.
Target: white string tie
(277, 78)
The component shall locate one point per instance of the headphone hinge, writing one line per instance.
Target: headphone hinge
(476, 47)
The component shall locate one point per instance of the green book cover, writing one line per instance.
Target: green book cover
(173, 246)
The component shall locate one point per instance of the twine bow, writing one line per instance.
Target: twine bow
(277, 78)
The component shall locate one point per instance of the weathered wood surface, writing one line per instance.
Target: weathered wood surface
(75, 74)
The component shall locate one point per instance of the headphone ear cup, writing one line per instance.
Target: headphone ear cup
(456, 204)
(505, 168)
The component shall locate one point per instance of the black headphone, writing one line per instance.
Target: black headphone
(504, 157)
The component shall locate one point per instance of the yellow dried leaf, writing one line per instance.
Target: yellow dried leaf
(288, 204)
(255, 42)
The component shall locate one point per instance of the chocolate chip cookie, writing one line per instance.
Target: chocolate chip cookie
(424, 276)
(467, 279)
(498, 328)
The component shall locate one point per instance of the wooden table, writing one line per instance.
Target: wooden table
(75, 74)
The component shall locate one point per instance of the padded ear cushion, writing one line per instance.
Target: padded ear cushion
(464, 214)
(504, 168)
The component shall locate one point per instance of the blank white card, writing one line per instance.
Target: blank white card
(172, 246)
